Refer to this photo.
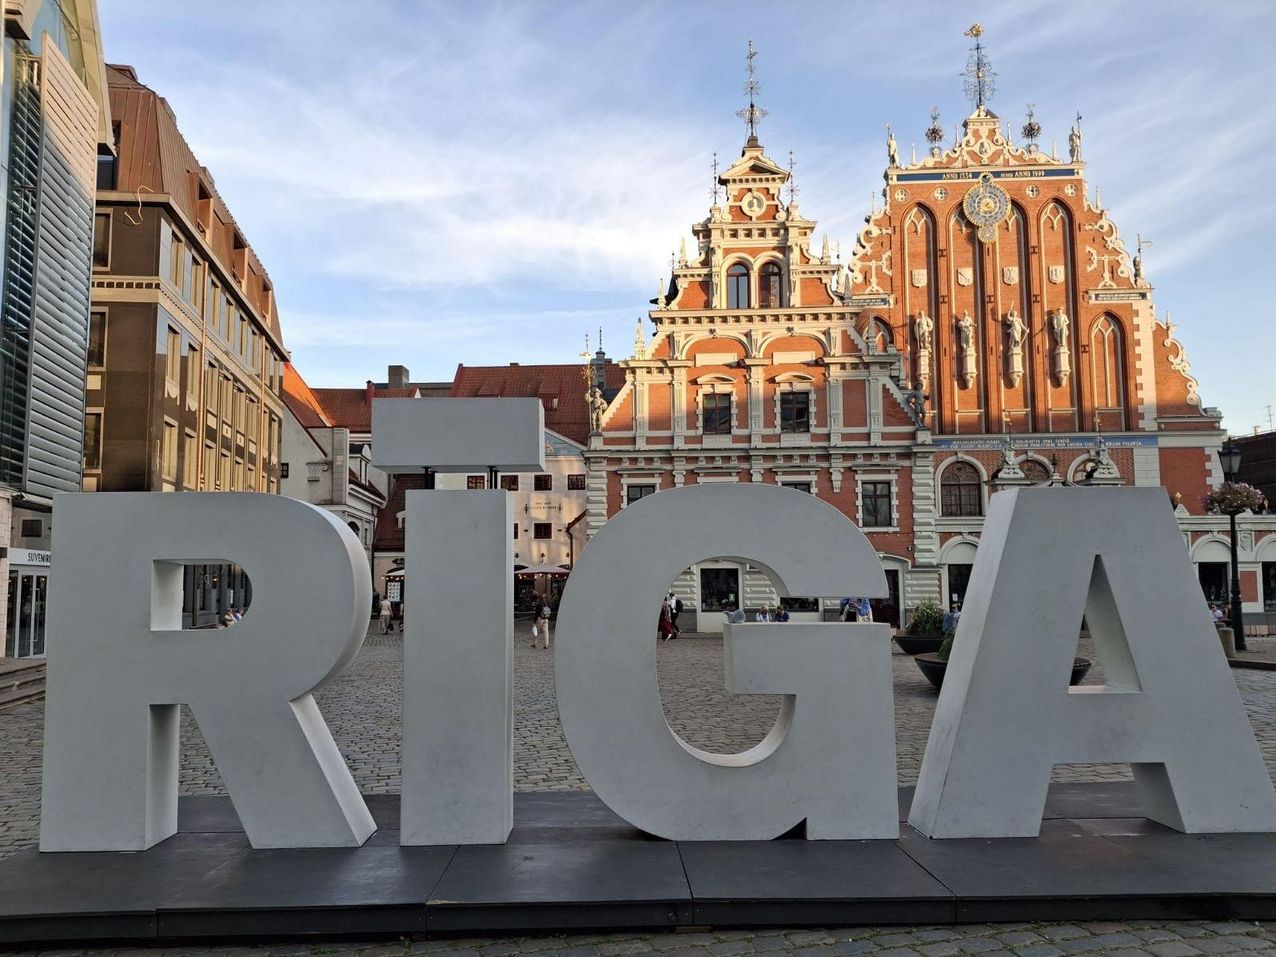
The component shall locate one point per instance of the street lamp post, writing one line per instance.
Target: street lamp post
(1229, 456)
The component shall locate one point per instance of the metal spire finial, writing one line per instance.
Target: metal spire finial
(791, 186)
(717, 187)
(752, 114)
(979, 75)
(1031, 128)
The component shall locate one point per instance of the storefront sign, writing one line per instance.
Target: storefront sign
(30, 556)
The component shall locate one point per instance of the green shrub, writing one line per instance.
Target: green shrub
(927, 619)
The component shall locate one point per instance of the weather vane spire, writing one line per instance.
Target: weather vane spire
(979, 76)
(751, 114)
(792, 186)
(717, 187)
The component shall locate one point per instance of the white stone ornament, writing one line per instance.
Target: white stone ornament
(830, 759)
(1170, 708)
(122, 665)
(458, 772)
(918, 277)
(965, 276)
(1056, 274)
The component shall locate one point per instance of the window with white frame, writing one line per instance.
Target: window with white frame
(877, 506)
(715, 413)
(638, 490)
(795, 411)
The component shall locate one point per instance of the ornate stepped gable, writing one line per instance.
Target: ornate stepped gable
(1010, 291)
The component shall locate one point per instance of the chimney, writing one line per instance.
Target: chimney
(398, 376)
(369, 393)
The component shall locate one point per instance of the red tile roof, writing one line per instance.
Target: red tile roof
(389, 536)
(561, 389)
(352, 408)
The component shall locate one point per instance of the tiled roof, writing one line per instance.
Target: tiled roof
(389, 536)
(302, 401)
(561, 389)
(352, 408)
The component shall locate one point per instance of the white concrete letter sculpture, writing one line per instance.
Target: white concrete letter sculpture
(121, 666)
(458, 629)
(1170, 706)
(830, 759)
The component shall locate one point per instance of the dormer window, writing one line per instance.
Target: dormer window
(769, 286)
(738, 287)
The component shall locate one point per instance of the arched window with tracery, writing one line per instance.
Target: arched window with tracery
(961, 492)
(1034, 471)
(1107, 352)
(738, 287)
(769, 286)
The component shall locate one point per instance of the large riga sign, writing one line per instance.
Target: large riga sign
(120, 664)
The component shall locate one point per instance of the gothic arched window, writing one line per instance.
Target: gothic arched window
(1106, 354)
(769, 286)
(738, 287)
(961, 493)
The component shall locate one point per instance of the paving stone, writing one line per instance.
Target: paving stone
(1171, 948)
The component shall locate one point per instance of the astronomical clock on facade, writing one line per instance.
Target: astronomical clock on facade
(990, 328)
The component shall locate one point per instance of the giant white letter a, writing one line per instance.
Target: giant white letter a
(1170, 707)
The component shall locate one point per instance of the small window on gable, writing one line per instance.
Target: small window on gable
(738, 287)
(769, 286)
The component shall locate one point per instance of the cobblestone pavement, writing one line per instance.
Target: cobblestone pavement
(1127, 939)
(363, 709)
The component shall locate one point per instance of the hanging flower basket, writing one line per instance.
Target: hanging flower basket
(1232, 498)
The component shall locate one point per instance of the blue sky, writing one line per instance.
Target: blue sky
(434, 183)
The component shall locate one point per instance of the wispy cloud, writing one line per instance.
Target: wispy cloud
(486, 181)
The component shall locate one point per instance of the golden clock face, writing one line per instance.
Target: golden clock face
(986, 205)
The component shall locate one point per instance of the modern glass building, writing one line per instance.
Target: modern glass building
(54, 124)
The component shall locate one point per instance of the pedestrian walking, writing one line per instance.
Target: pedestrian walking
(664, 627)
(384, 614)
(865, 610)
(675, 609)
(540, 628)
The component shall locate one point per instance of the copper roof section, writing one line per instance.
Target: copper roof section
(155, 161)
(302, 401)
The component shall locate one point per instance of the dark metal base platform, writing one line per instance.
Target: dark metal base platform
(572, 864)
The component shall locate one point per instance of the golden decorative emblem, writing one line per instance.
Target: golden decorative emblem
(986, 205)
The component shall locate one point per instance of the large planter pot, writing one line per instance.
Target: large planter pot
(919, 644)
(933, 668)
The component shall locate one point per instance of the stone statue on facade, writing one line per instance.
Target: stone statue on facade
(966, 344)
(1060, 324)
(1074, 141)
(915, 402)
(924, 330)
(597, 406)
(892, 148)
(1016, 331)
